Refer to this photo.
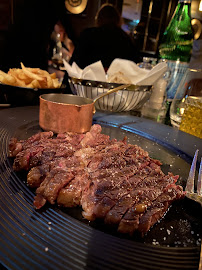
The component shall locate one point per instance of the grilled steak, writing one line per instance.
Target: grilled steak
(109, 179)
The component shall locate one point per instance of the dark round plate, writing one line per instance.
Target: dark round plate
(24, 96)
(55, 238)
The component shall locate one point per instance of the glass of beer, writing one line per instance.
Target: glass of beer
(192, 117)
(191, 85)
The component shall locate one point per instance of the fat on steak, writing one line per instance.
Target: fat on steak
(111, 180)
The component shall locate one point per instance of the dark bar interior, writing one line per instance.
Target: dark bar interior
(100, 134)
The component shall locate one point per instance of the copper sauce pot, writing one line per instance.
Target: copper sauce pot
(62, 113)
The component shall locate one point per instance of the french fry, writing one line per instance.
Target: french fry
(56, 83)
(1, 78)
(43, 84)
(30, 85)
(30, 74)
(34, 84)
(20, 77)
(53, 75)
(7, 78)
(49, 79)
(34, 70)
(29, 77)
(18, 82)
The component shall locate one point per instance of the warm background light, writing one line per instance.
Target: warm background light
(200, 6)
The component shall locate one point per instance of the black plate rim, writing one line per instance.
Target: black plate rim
(167, 252)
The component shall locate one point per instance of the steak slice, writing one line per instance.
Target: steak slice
(114, 177)
(151, 189)
(159, 207)
(16, 146)
(115, 214)
(42, 148)
(61, 171)
(141, 198)
(70, 195)
(103, 190)
(55, 180)
(37, 175)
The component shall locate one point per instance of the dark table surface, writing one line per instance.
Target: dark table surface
(26, 241)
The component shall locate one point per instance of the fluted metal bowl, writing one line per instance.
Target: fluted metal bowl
(132, 98)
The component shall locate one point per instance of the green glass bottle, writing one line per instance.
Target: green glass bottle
(177, 40)
(176, 46)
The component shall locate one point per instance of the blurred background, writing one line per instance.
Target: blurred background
(144, 20)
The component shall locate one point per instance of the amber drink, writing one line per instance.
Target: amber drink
(192, 117)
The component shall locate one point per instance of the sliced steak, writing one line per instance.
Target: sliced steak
(70, 195)
(49, 189)
(151, 189)
(104, 189)
(16, 146)
(159, 207)
(37, 175)
(109, 179)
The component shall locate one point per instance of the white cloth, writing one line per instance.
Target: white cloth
(136, 74)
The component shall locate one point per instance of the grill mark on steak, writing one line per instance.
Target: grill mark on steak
(41, 148)
(70, 195)
(103, 207)
(37, 175)
(16, 146)
(115, 215)
(110, 179)
(151, 189)
(104, 189)
(55, 180)
(159, 207)
(61, 171)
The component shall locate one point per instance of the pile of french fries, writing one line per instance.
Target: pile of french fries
(29, 77)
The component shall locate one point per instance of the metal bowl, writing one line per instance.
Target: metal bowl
(132, 98)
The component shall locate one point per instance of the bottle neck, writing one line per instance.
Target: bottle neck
(177, 39)
(184, 1)
(183, 9)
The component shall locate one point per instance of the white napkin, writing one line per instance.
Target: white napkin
(136, 74)
(128, 68)
(94, 72)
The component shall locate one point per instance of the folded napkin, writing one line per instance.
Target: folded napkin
(129, 69)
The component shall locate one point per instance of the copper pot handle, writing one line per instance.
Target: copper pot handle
(197, 28)
(111, 91)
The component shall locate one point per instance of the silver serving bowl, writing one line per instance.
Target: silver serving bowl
(131, 98)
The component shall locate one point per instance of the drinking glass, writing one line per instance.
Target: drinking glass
(191, 85)
(192, 117)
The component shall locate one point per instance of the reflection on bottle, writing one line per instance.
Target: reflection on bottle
(177, 71)
(176, 45)
(57, 52)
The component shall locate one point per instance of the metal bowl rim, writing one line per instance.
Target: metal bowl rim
(107, 85)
